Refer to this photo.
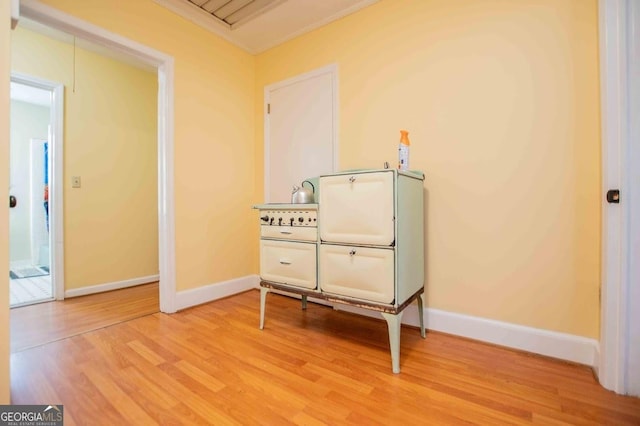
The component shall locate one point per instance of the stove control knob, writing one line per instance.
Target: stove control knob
(265, 218)
(271, 221)
(291, 221)
(279, 221)
(301, 219)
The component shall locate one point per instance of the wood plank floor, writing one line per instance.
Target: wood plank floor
(35, 325)
(212, 365)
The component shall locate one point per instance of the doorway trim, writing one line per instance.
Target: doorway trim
(164, 63)
(56, 120)
(618, 21)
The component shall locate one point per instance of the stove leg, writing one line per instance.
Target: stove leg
(421, 316)
(263, 300)
(304, 302)
(393, 323)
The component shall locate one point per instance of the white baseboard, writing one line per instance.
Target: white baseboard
(197, 296)
(563, 346)
(99, 288)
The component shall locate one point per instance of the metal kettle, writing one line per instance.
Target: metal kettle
(302, 195)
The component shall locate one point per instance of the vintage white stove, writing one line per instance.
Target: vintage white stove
(361, 245)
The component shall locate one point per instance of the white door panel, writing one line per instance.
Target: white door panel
(619, 357)
(299, 132)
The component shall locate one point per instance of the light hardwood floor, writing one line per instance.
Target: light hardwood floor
(212, 365)
(35, 325)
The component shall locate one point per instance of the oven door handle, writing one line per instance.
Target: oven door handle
(286, 232)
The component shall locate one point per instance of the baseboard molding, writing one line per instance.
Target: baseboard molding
(563, 346)
(117, 285)
(208, 293)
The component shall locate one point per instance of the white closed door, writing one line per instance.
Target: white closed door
(300, 134)
(360, 272)
(357, 208)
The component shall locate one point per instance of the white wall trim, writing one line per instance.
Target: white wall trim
(54, 18)
(619, 368)
(197, 296)
(116, 285)
(563, 346)
(632, 368)
(554, 344)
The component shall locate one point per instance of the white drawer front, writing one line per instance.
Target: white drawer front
(289, 232)
(288, 263)
(357, 209)
(359, 272)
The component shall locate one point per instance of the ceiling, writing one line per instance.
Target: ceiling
(257, 25)
(253, 25)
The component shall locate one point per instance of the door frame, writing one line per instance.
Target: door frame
(164, 63)
(56, 201)
(619, 22)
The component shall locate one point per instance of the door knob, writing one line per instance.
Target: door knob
(12, 201)
(613, 196)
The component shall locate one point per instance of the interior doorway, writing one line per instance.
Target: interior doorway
(35, 201)
(164, 65)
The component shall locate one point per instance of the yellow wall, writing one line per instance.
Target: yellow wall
(501, 101)
(5, 56)
(214, 136)
(110, 141)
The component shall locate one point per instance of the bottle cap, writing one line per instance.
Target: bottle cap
(404, 137)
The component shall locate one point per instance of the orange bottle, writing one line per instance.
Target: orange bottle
(403, 151)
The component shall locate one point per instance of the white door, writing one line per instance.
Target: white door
(300, 131)
(633, 170)
(619, 361)
(39, 203)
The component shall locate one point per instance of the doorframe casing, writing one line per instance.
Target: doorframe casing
(56, 195)
(619, 22)
(47, 15)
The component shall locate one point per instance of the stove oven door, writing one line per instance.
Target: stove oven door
(357, 208)
(364, 273)
(287, 262)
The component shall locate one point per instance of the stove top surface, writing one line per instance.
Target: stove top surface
(286, 206)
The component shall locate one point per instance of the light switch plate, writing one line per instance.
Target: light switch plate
(75, 182)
